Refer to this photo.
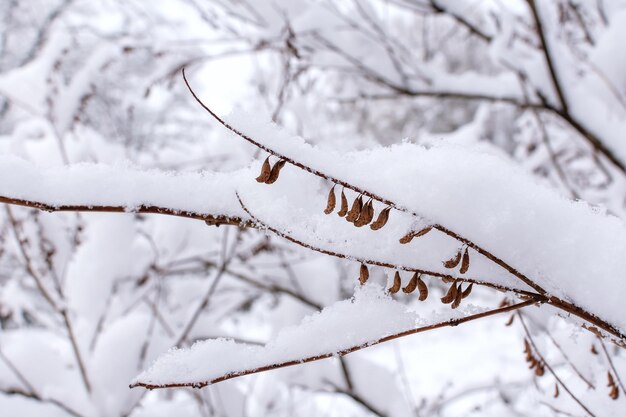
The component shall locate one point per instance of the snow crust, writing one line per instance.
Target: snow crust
(91, 184)
(370, 315)
(571, 249)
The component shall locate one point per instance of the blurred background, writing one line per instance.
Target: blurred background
(541, 83)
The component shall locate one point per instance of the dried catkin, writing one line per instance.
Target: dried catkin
(453, 262)
(364, 274)
(330, 204)
(265, 171)
(412, 285)
(397, 283)
(275, 171)
(381, 221)
(344, 205)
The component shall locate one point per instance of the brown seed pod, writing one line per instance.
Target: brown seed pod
(412, 285)
(510, 321)
(344, 205)
(423, 231)
(397, 283)
(468, 290)
(330, 203)
(422, 288)
(407, 238)
(556, 390)
(610, 379)
(540, 370)
(465, 263)
(594, 350)
(614, 393)
(355, 211)
(265, 171)
(450, 295)
(364, 274)
(275, 171)
(367, 213)
(453, 262)
(457, 298)
(527, 348)
(381, 220)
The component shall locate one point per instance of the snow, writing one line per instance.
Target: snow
(89, 184)
(569, 248)
(369, 316)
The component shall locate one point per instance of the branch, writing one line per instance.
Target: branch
(547, 365)
(619, 337)
(210, 219)
(421, 329)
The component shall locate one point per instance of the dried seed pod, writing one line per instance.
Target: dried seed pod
(355, 211)
(468, 290)
(614, 393)
(527, 348)
(275, 171)
(457, 298)
(556, 390)
(453, 262)
(265, 171)
(610, 379)
(364, 274)
(465, 263)
(594, 350)
(539, 370)
(367, 212)
(423, 231)
(510, 321)
(397, 283)
(344, 205)
(412, 285)
(381, 220)
(330, 204)
(450, 295)
(407, 238)
(422, 288)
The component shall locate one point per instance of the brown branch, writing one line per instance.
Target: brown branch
(550, 369)
(61, 310)
(364, 192)
(34, 396)
(562, 304)
(447, 323)
(461, 20)
(610, 360)
(210, 219)
(383, 264)
(548, 56)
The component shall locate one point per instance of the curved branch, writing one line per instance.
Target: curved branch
(382, 264)
(421, 329)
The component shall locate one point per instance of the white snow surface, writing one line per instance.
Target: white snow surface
(369, 316)
(92, 184)
(569, 248)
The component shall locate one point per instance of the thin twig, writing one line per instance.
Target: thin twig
(547, 365)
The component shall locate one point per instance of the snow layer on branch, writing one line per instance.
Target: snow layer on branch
(89, 184)
(569, 248)
(368, 317)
